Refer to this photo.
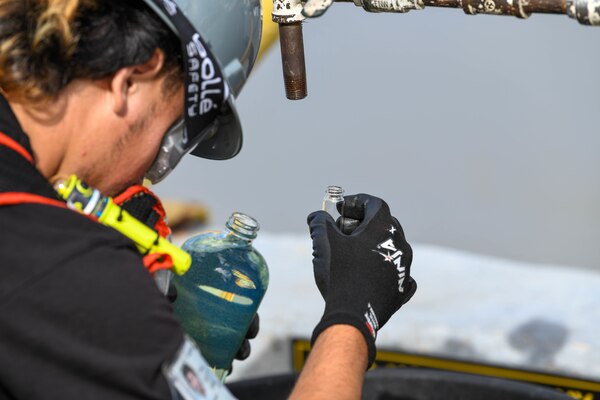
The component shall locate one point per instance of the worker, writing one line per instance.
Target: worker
(114, 91)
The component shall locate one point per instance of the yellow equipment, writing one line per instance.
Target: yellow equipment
(91, 202)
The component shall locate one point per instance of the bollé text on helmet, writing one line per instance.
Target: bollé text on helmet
(205, 92)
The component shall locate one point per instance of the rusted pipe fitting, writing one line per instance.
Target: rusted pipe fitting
(390, 6)
(496, 7)
(587, 12)
(292, 59)
(517, 8)
(288, 14)
(443, 3)
(287, 11)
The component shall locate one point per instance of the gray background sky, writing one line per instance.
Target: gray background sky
(481, 132)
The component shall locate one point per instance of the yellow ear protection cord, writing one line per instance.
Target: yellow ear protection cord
(91, 202)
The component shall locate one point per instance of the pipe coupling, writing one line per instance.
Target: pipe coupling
(390, 6)
(287, 11)
(587, 12)
(496, 7)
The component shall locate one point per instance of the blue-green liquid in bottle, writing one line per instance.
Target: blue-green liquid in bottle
(220, 294)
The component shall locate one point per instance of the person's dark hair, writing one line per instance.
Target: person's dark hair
(46, 44)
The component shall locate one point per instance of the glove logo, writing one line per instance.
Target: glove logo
(395, 257)
(372, 322)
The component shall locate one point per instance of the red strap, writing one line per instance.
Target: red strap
(16, 198)
(12, 144)
(132, 192)
(153, 262)
(156, 261)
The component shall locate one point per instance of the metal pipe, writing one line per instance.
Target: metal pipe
(548, 6)
(288, 14)
(292, 59)
(518, 8)
(586, 11)
(443, 3)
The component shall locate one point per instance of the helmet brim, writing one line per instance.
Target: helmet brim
(227, 139)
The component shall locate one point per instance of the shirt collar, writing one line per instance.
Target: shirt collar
(10, 126)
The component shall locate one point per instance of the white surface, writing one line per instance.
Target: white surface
(466, 306)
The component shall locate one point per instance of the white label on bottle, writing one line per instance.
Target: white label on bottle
(192, 377)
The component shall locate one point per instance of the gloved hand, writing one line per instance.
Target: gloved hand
(244, 351)
(364, 274)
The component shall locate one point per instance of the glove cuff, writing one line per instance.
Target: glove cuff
(347, 319)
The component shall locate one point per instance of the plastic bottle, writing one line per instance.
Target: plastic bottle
(333, 196)
(220, 294)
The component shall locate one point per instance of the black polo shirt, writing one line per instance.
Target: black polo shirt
(80, 317)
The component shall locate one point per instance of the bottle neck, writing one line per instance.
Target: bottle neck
(334, 194)
(242, 226)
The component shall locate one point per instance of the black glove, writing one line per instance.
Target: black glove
(244, 351)
(364, 275)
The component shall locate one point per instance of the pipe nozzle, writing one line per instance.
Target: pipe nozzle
(292, 59)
